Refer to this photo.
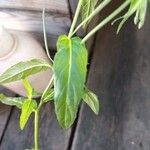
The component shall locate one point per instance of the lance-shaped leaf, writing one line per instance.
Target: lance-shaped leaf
(91, 100)
(88, 7)
(70, 67)
(48, 95)
(23, 69)
(28, 107)
(28, 87)
(12, 101)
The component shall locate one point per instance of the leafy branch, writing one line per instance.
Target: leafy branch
(67, 85)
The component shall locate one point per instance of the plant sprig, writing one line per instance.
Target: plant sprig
(67, 85)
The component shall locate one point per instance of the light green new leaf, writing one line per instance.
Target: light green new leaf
(91, 100)
(70, 67)
(28, 88)
(88, 7)
(48, 95)
(28, 107)
(134, 6)
(12, 101)
(141, 13)
(23, 69)
(35, 94)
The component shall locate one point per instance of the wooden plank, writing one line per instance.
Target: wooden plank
(51, 5)
(119, 75)
(52, 137)
(4, 112)
(31, 21)
(4, 115)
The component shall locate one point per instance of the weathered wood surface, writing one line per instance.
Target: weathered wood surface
(4, 112)
(60, 6)
(30, 20)
(4, 115)
(119, 75)
(52, 137)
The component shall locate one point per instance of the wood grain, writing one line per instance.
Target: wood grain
(119, 75)
(60, 6)
(4, 112)
(52, 137)
(4, 115)
(31, 21)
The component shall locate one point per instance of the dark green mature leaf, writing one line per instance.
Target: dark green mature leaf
(70, 67)
(23, 69)
(28, 107)
(88, 7)
(91, 100)
(12, 101)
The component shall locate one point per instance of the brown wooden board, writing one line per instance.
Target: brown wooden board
(51, 5)
(120, 76)
(52, 137)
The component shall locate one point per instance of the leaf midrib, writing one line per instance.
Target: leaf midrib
(69, 75)
(23, 71)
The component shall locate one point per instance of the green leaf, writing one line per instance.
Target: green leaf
(141, 14)
(70, 67)
(28, 107)
(48, 95)
(12, 101)
(134, 6)
(23, 69)
(88, 6)
(35, 94)
(91, 100)
(28, 88)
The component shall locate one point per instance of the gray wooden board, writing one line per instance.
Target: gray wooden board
(4, 115)
(51, 5)
(120, 76)
(4, 112)
(52, 137)
(31, 21)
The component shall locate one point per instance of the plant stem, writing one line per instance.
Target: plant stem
(105, 21)
(75, 18)
(36, 126)
(94, 13)
(36, 130)
(50, 84)
(45, 37)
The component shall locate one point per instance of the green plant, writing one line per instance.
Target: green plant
(67, 86)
